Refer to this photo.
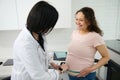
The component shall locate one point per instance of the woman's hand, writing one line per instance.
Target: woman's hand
(85, 72)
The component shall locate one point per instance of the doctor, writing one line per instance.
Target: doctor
(29, 51)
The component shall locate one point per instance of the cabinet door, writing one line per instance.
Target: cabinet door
(23, 9)
(64, 21)
(8, 15)
(64, 9)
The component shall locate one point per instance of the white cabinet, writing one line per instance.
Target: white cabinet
(23, 9)
(8, 15)
(13, 13)
(63, 7)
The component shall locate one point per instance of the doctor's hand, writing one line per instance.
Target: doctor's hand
(55, 66)
(64, 67)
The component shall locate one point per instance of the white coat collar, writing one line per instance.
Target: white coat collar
(30, 35)
(33, 39)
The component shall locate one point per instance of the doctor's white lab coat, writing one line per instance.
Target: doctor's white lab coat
(30, 61)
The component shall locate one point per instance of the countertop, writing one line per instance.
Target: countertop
(114, 50)
(5, 70)
(113, 45)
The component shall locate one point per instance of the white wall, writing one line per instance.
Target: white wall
(6, 42)
(106, 12)
(57, 40)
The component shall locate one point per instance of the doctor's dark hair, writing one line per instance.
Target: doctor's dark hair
(42, 19)
(90, 18)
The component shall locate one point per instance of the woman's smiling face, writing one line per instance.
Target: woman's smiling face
(80, 21)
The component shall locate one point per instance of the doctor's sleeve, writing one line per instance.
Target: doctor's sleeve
(34, 66)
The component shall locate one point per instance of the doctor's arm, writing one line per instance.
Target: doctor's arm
(34, 64)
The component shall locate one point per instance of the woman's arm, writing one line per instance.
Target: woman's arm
(102, 49)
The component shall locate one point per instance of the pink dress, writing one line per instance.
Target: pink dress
(81, 50)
